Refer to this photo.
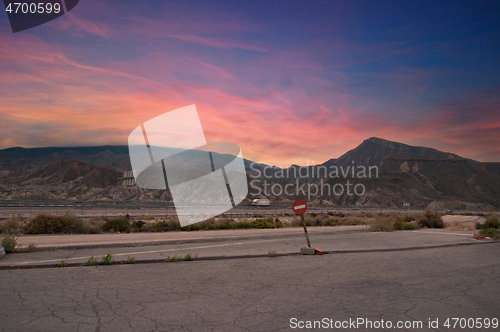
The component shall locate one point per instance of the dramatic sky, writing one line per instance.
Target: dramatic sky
(289, 81)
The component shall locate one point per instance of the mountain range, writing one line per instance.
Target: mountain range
(420, 177)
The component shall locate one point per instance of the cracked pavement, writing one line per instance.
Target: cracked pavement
(258, 294)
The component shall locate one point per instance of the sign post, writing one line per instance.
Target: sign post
(300, 207)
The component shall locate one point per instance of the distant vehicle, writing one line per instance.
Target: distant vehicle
(260, 202)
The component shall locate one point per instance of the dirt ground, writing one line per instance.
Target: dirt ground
(462, 222)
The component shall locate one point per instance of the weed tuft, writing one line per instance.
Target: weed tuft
(174, 259)
(106, 260)
(91, 262)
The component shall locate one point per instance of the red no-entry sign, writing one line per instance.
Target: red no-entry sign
(299, 206)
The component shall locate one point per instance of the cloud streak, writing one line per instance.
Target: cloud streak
(283, 101)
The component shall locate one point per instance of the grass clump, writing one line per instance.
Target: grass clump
(91, 262)
(9, 242)
(272, 254)
(130, 260)
(106, 260)
(63, 264)
(430, 219)
(174, 259)
(188, 257)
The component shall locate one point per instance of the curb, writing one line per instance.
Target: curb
(290, 254)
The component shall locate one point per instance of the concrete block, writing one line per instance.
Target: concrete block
(307, 251)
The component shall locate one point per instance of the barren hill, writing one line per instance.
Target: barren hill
(419, 176)
(83, 174)
(373, 150)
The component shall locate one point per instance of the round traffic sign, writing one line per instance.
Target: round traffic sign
(299, 206)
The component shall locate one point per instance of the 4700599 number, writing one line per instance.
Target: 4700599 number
(33, 8)
(471, 323)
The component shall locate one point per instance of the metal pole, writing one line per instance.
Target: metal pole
(305, 230)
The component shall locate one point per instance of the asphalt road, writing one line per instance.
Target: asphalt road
(258, 294)
(128, 239)
(229, 243)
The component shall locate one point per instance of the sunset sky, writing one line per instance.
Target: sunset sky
(289, 81)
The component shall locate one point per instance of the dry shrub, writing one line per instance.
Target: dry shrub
(349, 221)
(170, 224)
(45, 224)
(137, 225)
(408, 217)
(225, 223)
(365, 214)
(94, 226)
(118, 224)
(295, 222)
(12, 225)
(207, 224)
(430, 219)
(382, 224)
(313, 219)
(143, 217)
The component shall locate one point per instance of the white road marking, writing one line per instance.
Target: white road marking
(145, 252)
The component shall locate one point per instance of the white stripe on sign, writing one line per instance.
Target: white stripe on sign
(299, 207)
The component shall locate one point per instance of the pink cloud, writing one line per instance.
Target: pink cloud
(281, 107)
